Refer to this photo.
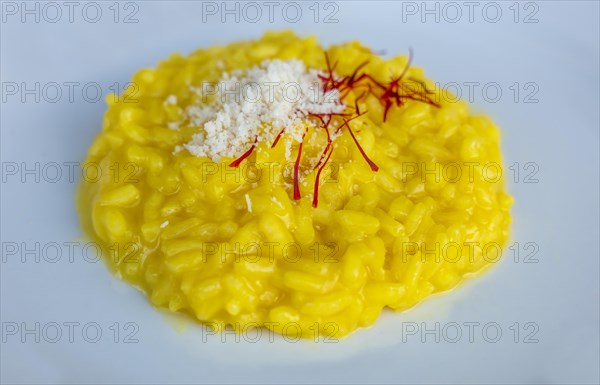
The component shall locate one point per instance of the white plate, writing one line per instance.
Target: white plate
(547, 311)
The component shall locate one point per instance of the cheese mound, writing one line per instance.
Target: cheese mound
(256, 105)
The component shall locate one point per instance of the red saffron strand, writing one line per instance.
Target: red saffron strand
(356, 107)
(387, 107)
(410, 58)
(296, 169)
(372, 80)
(360, 66)
(315, 201)
(422, 84)
(348, 81)
(329, 78)
(277, 138)
(328, 114)
(325, 126)
(239, 160)
(329, 144)
(323, 154)
(346, 122)
(372, 164)
(318, 116)
(327, 62)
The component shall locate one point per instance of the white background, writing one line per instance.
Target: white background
(558, 135)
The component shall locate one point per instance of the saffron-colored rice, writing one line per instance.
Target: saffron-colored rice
(230, 246)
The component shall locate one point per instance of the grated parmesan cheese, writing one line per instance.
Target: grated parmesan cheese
(173, 125)
(171, 100)
(248, 203)
(256, 105)
(274, 200)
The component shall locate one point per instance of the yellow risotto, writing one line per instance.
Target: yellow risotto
(377, 199)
